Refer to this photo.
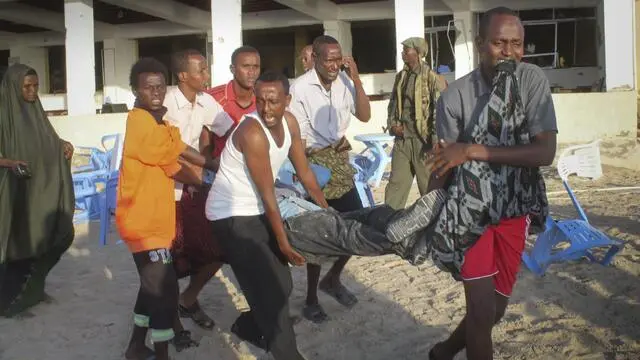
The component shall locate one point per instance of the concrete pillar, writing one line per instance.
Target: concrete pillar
(619, 44)
(119, 56)
(465, 53)
(409, 20)
(226, 36)
(80, 57)
(35, 57)
(341, 31)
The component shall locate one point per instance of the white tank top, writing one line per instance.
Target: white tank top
(233, 193)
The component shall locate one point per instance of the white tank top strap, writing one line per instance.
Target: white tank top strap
(233, 192)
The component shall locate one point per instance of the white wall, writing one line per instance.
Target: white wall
(582, 117)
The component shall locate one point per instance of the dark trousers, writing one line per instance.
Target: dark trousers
(264, 277)
(347, 202)
(157, 300)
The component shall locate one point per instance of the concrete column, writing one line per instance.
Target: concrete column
(80, 57)
(464, 48)
(226, 36)
(341, 31)
(119, 56)
(619, 44)
(35, 57)
(409, 19)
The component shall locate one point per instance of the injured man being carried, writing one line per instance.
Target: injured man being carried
(320, 234)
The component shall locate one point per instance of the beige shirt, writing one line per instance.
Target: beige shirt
(323, 115)
(190, 118)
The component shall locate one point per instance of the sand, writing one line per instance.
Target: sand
(576, 311)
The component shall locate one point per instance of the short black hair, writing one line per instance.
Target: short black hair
(485, 21)
(180, 60)
(146, 65)
(243, 50)
(274, 76)
(322, 40)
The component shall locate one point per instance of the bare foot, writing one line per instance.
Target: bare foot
(336, 290)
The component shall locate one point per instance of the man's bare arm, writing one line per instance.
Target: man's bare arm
(194, 157)
(301, 164)
(540, 152)
(251, 140)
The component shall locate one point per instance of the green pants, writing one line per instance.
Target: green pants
(408, 160)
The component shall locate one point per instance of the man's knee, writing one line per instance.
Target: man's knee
(481, 303)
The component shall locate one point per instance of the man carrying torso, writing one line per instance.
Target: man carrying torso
(323, 100)
(496, 127)
(244, 213)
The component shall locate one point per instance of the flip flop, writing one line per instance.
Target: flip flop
(183, 340)
(195, 313)
(341, 294)
(315, 313)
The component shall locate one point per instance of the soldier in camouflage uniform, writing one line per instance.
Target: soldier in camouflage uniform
(411, 120)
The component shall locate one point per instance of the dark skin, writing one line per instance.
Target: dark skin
(306, 58)
(327, 64)
(411, 58)
(485, 307)
(245, 70)
(250, 139)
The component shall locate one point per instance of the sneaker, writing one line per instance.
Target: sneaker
(416, 217)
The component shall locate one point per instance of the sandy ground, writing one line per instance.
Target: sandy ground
(577, 311)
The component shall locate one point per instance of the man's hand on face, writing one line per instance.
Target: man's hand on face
(351, 67)
(445, 156)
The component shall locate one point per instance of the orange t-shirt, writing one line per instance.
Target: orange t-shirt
(145, 208)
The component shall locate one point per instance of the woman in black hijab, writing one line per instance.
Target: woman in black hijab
(36, 193)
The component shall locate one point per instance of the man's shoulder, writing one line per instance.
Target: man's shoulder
(218, 92)
(208, 101)
(302, 81)
(531, 74)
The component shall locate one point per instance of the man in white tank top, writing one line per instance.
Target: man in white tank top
(244, 212)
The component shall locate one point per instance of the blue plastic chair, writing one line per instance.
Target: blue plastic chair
(377, 154)
(583, 160)
(108, 206)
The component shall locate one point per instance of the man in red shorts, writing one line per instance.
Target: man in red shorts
(466, 113)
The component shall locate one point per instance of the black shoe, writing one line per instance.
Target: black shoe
(416, 217)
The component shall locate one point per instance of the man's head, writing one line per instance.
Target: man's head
(245, 66)
(30, 86)
(306, 57)
(148, 82)
(272, 97)
(501, 37)
(327, 56)
(413, 50)
(192, 69)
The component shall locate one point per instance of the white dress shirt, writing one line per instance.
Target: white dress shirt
(323, 115)
(190, 118)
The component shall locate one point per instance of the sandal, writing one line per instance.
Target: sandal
(195, 313)
(183, 340)
(315, 313)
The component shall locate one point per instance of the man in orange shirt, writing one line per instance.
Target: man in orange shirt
(154, 155)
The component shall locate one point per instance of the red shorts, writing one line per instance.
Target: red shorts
(498, 254)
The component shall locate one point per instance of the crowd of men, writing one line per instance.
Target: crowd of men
(447, 137)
